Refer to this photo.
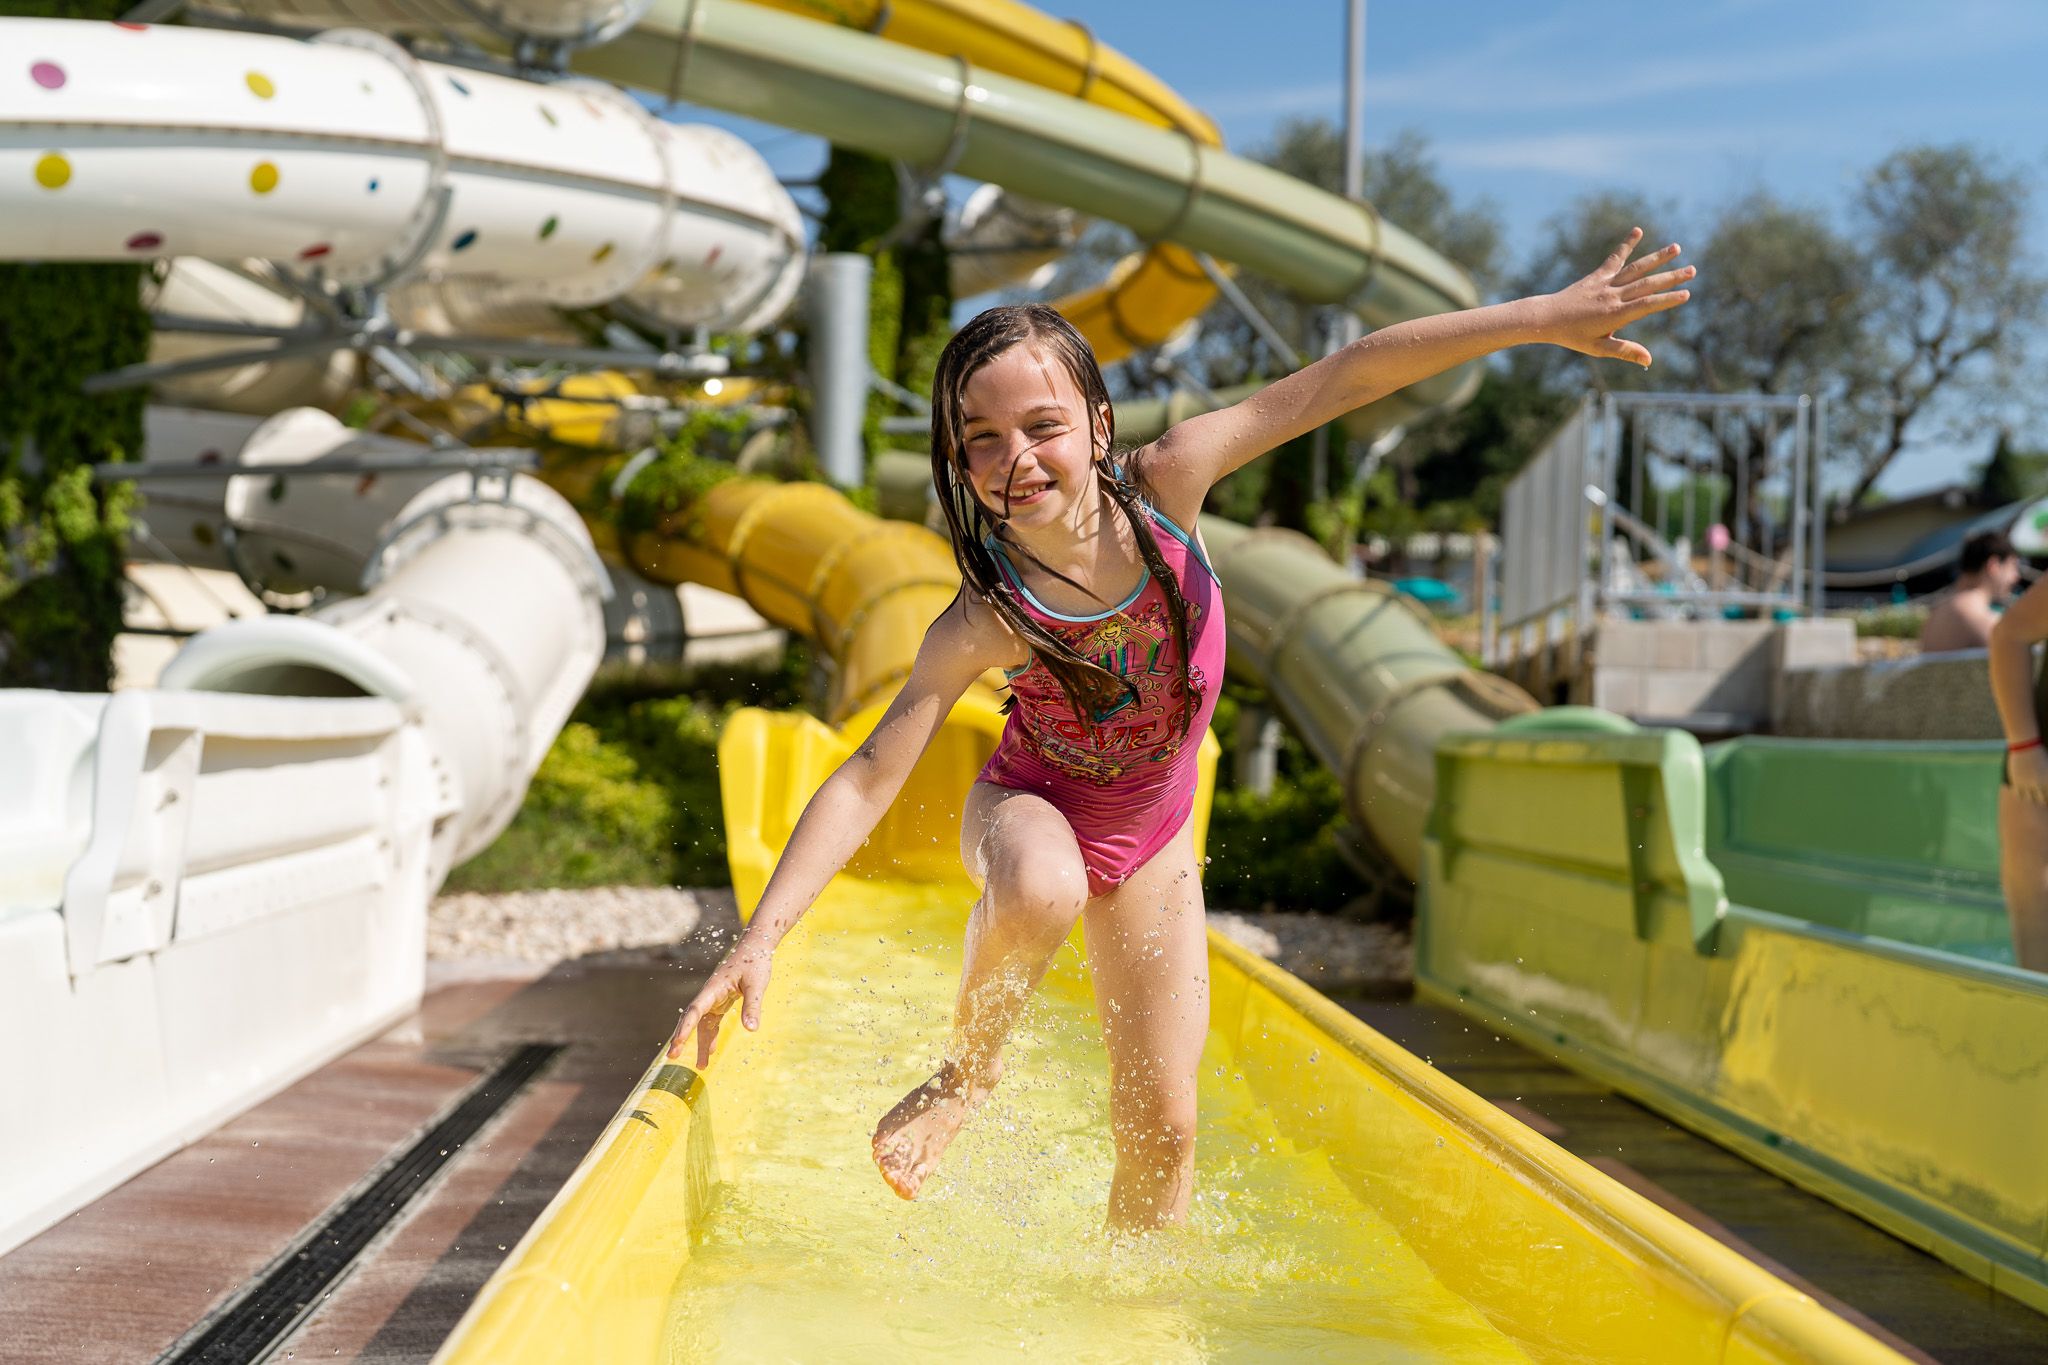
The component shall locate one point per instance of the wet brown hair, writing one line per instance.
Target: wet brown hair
(1089, 687)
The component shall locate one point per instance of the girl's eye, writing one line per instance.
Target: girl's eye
(1041, 426)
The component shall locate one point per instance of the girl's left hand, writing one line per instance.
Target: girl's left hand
(1585, 316)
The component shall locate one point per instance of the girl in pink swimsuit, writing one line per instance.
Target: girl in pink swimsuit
(1124, 777)
(1085, 582)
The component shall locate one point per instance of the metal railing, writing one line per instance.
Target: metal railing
(1664, 504)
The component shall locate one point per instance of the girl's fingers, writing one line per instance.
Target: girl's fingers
(1655, 303)
(1635, 270)
(1616, 348)
(1619, 256)
(1643, 288)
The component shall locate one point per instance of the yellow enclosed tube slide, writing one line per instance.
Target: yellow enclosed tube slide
(1150, 294)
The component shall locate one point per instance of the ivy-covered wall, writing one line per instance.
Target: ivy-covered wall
(60, 534)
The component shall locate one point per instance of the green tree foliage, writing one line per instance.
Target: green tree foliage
(1914, 316)
(61, 535)
(2009, 476)
(1956, 299)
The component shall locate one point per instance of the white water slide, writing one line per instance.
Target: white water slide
(216, 891)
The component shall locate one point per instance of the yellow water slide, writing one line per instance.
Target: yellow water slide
(1351, 1201)
(1148, 295)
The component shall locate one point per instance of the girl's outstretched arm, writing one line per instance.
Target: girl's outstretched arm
(1584, 317)
(966, 641)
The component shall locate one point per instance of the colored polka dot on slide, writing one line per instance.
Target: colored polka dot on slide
(260, 85)
(263, 179)
(145, 241)
(53, 171)
(48, 75)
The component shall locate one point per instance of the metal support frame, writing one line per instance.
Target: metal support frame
(365, 328)
(1238, 300)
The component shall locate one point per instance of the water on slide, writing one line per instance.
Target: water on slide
(802, 1253)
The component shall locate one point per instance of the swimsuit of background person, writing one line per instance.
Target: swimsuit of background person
(1127, 785)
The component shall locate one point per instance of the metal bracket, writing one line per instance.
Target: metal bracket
(1238, 300)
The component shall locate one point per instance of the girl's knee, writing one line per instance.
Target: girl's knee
(1158, 1121)
(1046, 891)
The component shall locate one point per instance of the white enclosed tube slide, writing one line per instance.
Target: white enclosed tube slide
(222, 882)
(351, 162)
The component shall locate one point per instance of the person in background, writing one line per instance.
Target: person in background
(1963, 619)
(2022, 698)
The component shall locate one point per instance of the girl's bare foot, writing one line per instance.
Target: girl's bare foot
(911, 1136)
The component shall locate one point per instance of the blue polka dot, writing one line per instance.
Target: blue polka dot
(460, 88)
(463, 242)
(373, 187)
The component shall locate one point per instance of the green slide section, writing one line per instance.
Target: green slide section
(1766, 942)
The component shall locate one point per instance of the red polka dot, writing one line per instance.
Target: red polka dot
(48, 75)
(315, 252)
(209, 457)
(132, 28)
(145, 241)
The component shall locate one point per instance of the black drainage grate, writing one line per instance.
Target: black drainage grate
(268, 1308)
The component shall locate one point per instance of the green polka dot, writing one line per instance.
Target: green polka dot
(549, 115)
(263, 179)
(53, 172)
(259, 85)
(547, 229)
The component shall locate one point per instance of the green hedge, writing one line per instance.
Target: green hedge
(1279, 851)
(628, 794)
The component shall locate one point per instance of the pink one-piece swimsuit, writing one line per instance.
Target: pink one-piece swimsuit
(1127, 785)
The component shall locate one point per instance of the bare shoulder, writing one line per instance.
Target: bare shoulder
(971, 631)
(1174, 484)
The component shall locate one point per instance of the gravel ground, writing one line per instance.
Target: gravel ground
(523, 933)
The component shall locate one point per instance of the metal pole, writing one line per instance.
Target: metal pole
(1818, 604)
(1349, 327)
(839, 287)
(1610, 471)
(1354, 101)
(1799, 493)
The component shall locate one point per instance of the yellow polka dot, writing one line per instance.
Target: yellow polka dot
(601, 253)
(259, 85)
(264, 178)
(53, 172)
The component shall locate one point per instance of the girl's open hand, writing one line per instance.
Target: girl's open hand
(1586, 315)
(742, 977)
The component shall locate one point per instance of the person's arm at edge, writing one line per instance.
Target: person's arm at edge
(2009, 658)
(958, 647)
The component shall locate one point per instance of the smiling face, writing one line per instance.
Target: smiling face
(1027, 450)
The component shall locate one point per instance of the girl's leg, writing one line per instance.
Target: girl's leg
(1149, 956)
(1021, 852)
(2023, 873)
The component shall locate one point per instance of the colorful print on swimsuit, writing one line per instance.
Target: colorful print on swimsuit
(1137, 645)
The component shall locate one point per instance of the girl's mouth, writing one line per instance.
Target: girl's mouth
(1025, 497)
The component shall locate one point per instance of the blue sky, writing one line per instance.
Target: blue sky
(1531, 104)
